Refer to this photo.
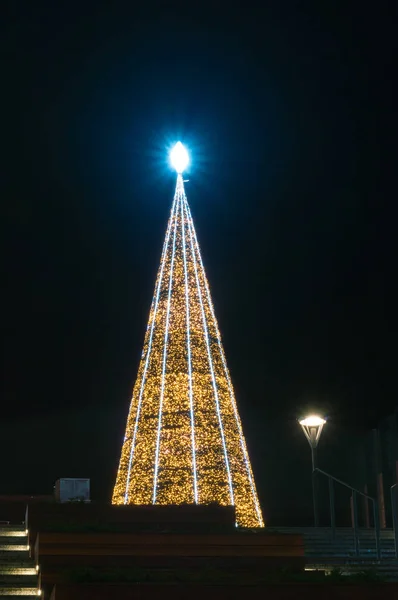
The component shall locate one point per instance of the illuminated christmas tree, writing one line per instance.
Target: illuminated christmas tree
(184, 441)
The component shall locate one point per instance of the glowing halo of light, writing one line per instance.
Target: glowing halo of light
(179, 157)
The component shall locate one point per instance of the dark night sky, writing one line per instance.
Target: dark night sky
(288, 112)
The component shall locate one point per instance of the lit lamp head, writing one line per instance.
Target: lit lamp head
(179, 157)
(312, 427)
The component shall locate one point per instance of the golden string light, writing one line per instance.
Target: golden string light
(184, 440)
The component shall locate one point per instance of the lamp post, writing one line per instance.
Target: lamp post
(312, 427)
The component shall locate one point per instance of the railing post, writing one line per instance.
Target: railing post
(355, 519)
(394, 516)
(377, 528)
(366, 507)
(332, 511)
(379, 479)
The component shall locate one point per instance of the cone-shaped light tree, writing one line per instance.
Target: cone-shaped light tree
(184, 441)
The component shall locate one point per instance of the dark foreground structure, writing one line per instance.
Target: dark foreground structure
(85, 551)
(227, 592)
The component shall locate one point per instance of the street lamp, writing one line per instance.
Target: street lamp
(312, 427)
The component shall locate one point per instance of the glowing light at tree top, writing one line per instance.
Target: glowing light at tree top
(179, 157)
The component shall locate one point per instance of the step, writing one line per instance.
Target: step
(13, 530)
(356, 561)
(346, 543)
(349, 547)
(312, 533)
(349, 550)
(343, 564)
(18, 569)
(13, 541)
(19, 591)
(21, 562)
(351, 566)
(387, 530)
(346, 555)
(8, 561)
(11, 555)
(22, 579)
(386, 574)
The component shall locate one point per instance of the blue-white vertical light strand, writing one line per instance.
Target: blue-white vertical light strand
(206, 337)
(166, 339)
(226, 371)
(190, 389)
(155, 308)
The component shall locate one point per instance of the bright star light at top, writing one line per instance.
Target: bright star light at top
(179, 157)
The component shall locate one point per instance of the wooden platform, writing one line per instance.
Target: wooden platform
(60, 553)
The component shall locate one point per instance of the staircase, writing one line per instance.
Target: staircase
(322, 552)
(18, 573)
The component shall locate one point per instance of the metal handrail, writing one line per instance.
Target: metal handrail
(354, 492)
(343, 483)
